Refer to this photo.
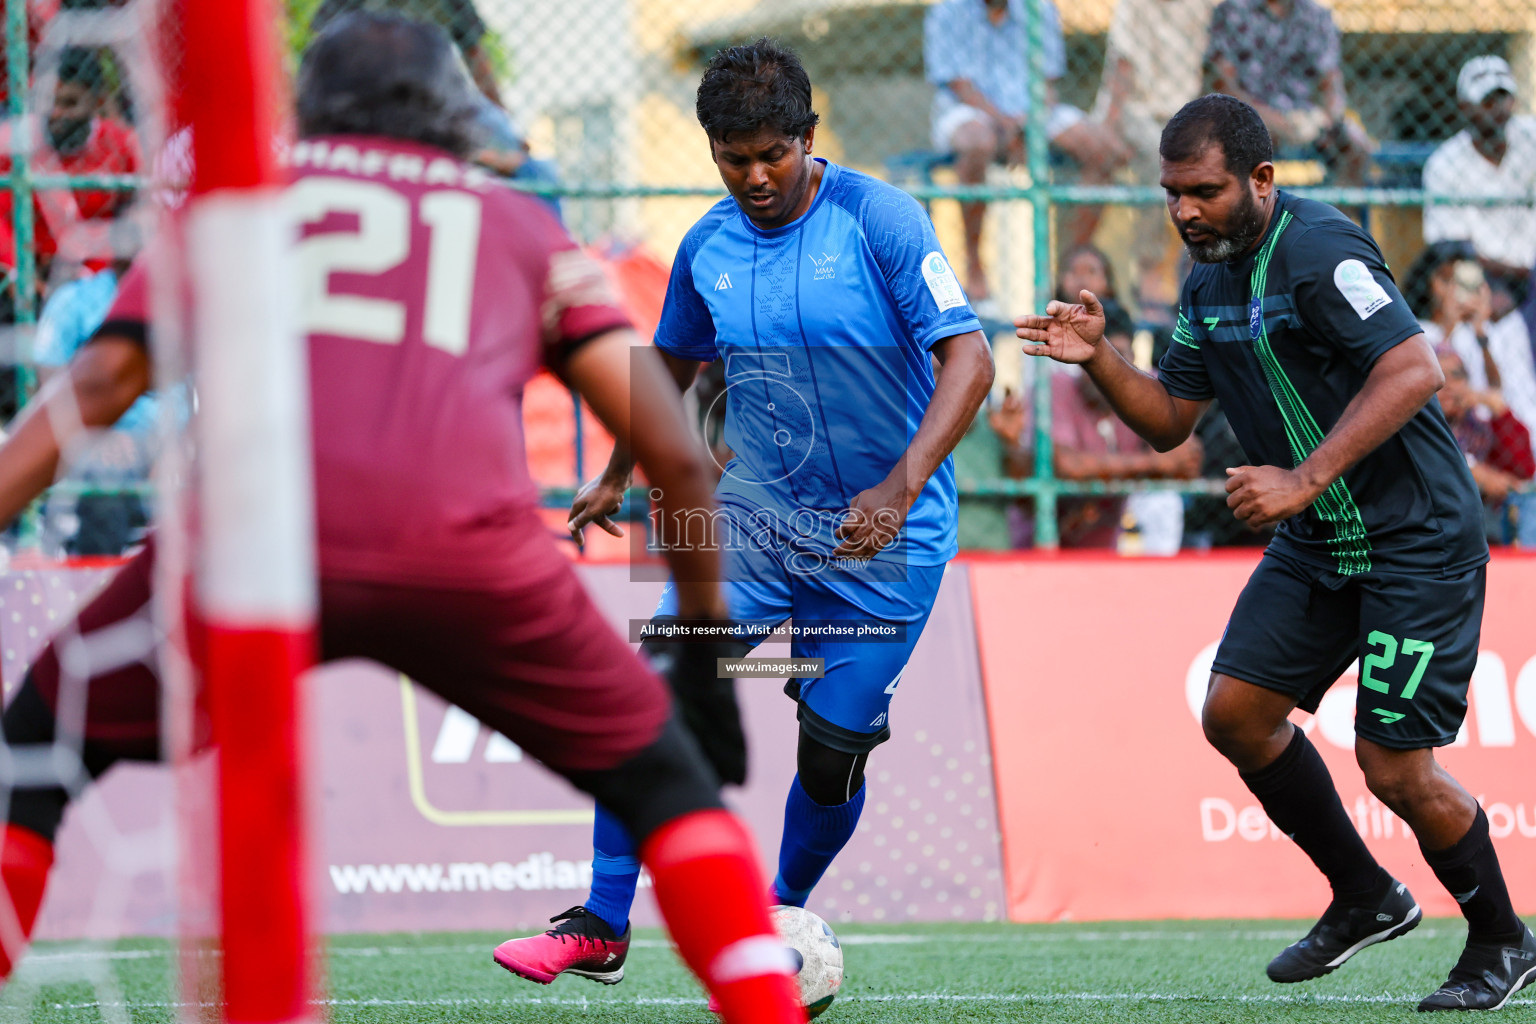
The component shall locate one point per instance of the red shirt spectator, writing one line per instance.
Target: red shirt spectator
(77, 140)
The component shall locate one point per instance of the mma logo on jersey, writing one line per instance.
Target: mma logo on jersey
(724, 283)
(825, 266)
(1256, 318)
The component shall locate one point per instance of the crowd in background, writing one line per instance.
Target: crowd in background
(1470, 286)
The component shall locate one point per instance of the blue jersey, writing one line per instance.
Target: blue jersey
(825, 326)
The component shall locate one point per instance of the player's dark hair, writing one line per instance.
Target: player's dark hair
(1416, 282)
(1217, 119)
(82, 65)
(761, 85)
(381, 74)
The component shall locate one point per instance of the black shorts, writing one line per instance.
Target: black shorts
(1297, 628)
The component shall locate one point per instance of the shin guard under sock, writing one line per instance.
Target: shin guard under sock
(710, 891)
(25, 859)
(615, 871)
(1470, 872)
(813, 835)
(1299, 796)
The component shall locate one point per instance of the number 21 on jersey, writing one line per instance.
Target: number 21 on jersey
(382, 242)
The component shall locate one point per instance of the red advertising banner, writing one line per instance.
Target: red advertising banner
(424, 820)
(1113, 806)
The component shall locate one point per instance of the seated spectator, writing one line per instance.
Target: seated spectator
(459, 18)
(1446, 290)
(976, 54)
(1493, 156)
(1282, 58)
(77, 140)
(1151, 69)
(1085, 267)
(96, 524)
(1497, 447)
(506, 151)
(1092, 443)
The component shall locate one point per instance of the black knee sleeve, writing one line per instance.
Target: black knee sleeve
(828, 776)
(29, 721)
(666, 780)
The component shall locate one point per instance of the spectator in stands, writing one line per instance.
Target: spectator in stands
(1091, 443)
(505, 151)
(1282, 58)
(1494, 156)
(459, 18)
(76, 140)
(1152, 67)
(976, 54)
(1446, 290)
(1085, 266)
(1497, 447)
(97, 524)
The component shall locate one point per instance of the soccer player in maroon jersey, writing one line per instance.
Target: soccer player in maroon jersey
(430, 297)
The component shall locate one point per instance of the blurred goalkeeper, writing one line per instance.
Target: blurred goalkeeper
(1292, 321)
(827, 299)
(431, 296)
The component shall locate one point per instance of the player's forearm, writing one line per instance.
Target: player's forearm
(1139, 399)
(621, 462)
(971, 96)
(965, 377)
(102, 381)
(1403, 380)
(1072, 464)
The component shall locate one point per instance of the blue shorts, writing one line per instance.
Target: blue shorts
(848, 709)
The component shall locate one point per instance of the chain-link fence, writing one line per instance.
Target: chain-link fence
(1029, 131)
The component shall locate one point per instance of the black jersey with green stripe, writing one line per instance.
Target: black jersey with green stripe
(1285, 337)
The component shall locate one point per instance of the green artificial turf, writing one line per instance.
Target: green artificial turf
(1202, 971)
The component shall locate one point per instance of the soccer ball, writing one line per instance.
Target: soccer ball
(817, 952)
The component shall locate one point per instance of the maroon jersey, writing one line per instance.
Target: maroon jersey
(431, 295)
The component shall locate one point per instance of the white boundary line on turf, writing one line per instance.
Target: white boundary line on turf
(913, 997)
(875, 939)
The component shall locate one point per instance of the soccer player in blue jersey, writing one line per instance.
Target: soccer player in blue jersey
(828, 298)
(1292, 321)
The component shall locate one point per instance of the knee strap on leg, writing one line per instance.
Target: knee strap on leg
(828, 776)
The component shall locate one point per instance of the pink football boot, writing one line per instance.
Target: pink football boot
(580, 944)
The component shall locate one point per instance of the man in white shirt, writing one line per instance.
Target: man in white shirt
(1494, 156)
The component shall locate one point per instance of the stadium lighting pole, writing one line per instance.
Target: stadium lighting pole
(253, 561)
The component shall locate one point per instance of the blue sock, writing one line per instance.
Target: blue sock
(813, 835)
(615, 871)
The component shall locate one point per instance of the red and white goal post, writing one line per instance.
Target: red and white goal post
(252, 548)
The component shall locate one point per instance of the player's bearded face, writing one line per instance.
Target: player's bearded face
(768, 174)
(1210, 238)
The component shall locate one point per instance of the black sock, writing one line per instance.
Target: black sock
(1469, 870)
(1299, 796)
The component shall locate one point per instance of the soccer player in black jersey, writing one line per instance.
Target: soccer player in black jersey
(1291, 318)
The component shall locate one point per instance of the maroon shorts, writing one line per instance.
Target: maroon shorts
(532, 659)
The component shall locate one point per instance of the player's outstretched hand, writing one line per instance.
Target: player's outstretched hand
(597, 502)
(873, 519)
(1265, 495)
(1069, 332)
(706, 703)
